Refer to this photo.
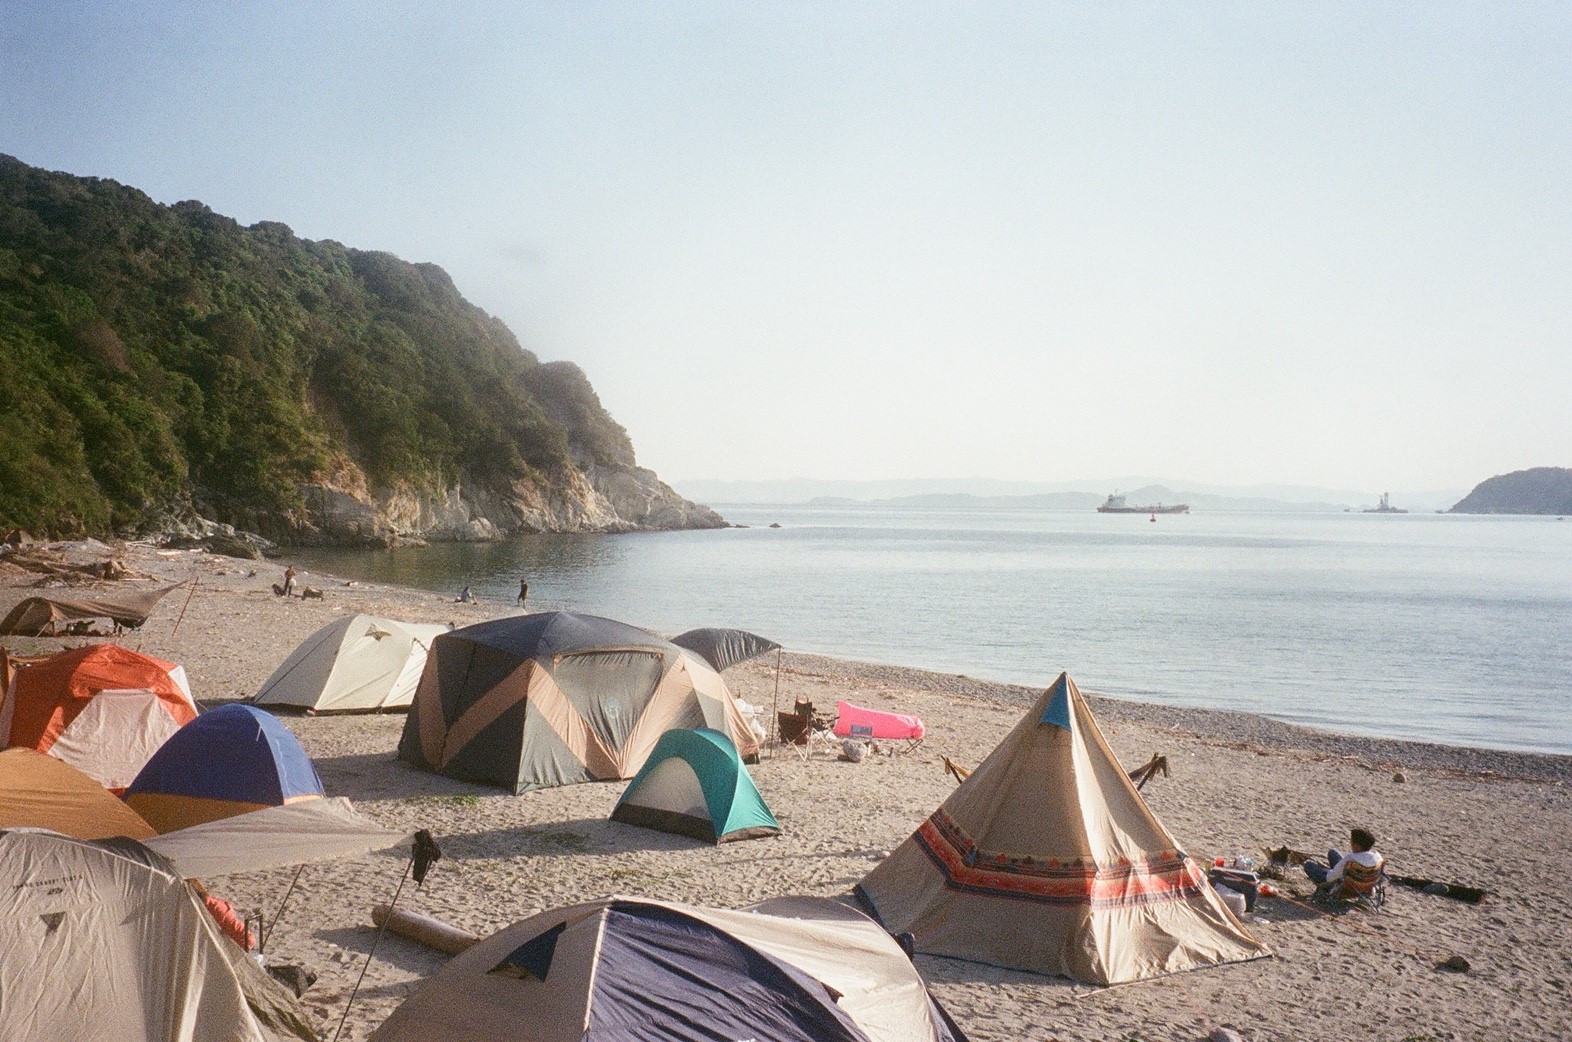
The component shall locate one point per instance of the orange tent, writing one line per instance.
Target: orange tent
(103, 709)
(41, 792)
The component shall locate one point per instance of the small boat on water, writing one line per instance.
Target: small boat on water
(1384, 507)
(1115, 504)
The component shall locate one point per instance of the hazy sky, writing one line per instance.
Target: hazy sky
(1317, 243)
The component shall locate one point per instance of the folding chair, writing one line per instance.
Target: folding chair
(801, 731)
(1360, 887)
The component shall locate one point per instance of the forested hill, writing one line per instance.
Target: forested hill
(163, 362)
(1538, 490)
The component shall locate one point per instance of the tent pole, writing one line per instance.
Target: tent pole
(775, 718)
(262, 941)
(375, 941)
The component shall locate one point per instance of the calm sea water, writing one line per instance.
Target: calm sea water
(1429, 627)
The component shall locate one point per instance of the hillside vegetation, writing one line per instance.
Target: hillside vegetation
(163, 359)
(1538, 490)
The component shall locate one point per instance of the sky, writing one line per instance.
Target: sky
(1324, 244)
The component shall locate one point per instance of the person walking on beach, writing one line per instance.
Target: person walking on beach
(289, 581)
(1357, 871)
(523, 591)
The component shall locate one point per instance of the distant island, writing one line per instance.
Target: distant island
(1538, 490)
(170, 371)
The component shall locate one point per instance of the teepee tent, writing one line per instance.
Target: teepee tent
(1046, 859)
(103, 939)
(38, 791)
(793, 970)
(553, 698)
(360, 663)
(694, 784)
(230, 760)
(101, 708)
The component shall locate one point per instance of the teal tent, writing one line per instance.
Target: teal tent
(694, 784)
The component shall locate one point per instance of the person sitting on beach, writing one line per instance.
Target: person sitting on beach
(465, 597)
(1353, 875)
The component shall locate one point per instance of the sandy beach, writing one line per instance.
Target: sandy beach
(1239, 784)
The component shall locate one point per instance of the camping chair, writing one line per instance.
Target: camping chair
(1360, 887)
(799, 730)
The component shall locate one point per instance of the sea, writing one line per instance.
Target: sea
(1430, 627)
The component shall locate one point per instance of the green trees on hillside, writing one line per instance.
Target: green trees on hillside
(159, 356)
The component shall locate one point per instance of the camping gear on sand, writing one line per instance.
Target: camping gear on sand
(554, 698)
(790, 970)
(853, 721)
(1046, 859)
(102, 708)
(357, 664)
(694, 784)
(42, 615)
(228, 761)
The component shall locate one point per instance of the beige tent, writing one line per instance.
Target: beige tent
(102, 940)
(1046, 859)
(356, 664)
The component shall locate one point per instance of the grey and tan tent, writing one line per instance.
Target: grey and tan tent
(103, 939)
(1046, 859)
(553, 698)
(790, 970)
(357, 664)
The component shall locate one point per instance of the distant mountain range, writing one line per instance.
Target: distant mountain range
(984, 493)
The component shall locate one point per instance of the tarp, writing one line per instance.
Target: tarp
(102, 708)
(359, 663)
(38, 614)
(230, 760)
(723, 648)
(40, 792)
(694, 784)
(1047, 859)
(104, 940)
(805, 970)
(274, 837)
(555, 698)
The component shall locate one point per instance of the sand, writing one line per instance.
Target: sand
(1239, 784)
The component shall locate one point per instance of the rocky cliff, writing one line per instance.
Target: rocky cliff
(1538, 490)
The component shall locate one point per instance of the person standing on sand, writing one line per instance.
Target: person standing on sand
(289, 581)
(523, 591)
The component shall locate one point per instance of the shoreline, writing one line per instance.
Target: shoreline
(1240, 783)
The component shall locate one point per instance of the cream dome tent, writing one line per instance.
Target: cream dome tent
(356, 664)
(790, 970)
(1046, 859)
(554, 698)
(104, 939)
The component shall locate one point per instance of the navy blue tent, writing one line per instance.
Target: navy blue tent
(624, 969)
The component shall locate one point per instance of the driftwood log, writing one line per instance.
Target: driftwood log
(423, 929)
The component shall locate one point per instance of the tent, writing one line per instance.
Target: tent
(228, 761)
(1046, 859)
(694, 784)
(795, 970)
(39, 615)
(102, 708)
(41, 792)
(723, 648)
(356, 664)
(103, 939)
(553, 698)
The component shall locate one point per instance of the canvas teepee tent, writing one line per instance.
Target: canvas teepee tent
(1046, 859)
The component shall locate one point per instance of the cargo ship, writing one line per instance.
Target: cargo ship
(1115, 504)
